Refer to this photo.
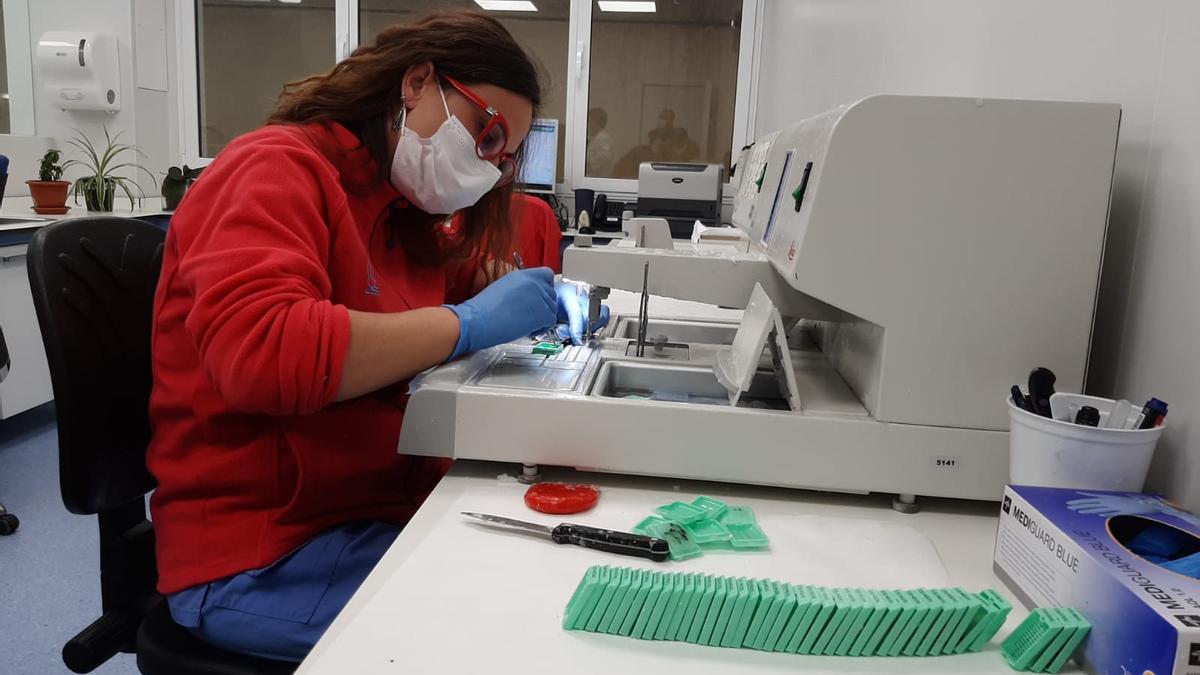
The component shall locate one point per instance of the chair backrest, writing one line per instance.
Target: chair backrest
(93, 282)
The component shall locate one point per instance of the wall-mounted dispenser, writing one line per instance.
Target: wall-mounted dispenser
(80, 71)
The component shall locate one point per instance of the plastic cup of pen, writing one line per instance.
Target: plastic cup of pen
(1059, 453)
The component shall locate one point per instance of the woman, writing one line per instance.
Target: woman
(306, 277)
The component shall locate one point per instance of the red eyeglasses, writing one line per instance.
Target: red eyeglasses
(490, 142)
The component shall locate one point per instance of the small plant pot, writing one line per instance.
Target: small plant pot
(93, 201)
(49, 196)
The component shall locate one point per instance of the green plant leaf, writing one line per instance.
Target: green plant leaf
(108, 142)
(129, 181)
(139, 167)
(90, 161)
(79, 186)
(82, 142)
(48, 168)
(112, 151)
(102, 165)
(125, 188)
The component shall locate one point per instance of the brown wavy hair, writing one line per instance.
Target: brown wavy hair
(361, 90)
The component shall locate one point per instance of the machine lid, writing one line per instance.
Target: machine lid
(761, 326)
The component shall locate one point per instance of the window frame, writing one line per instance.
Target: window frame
(18, 60)
(347, 27)
(579, 79)
(187, 62)
(347, 38)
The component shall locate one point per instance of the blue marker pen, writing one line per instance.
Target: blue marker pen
(1152, 414)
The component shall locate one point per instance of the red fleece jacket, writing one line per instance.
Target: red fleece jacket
(263, 259)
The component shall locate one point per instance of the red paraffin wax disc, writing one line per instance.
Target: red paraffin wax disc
(561, 498)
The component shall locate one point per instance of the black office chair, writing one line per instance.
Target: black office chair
(93, 282)
(8, 522)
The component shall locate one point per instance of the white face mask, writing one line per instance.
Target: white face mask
(441, 174)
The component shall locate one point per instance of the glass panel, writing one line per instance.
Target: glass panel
(662, 85)
(542, 33)
(5, 115)
(248, 49)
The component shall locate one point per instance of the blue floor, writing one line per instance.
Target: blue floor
(49, 569)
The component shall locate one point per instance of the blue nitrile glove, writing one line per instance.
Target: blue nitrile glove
(1189, 566)
(1186, 516)
(1127, 505)
(573, 311)
(1113, 505)
(518, 303)
(1161, 541)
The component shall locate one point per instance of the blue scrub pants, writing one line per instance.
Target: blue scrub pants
(280, 611)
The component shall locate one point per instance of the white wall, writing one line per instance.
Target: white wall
(112, 17)
(146, 96)
(157, 129)
(1159, 354)
(1143, 54)
(18, 74)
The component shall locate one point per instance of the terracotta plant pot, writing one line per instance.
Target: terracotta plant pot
(49, 196)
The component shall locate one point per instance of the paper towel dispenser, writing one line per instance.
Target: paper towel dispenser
(80, 71)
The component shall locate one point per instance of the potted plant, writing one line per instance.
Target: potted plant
(99, 186)
(176, 184)
(49, 191)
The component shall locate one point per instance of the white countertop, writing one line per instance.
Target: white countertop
(454, 597)
(21, 207)
(598, 234)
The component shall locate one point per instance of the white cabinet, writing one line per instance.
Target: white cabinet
(28, 381)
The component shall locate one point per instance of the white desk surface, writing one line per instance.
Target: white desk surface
(454, 597)
(598, 234)
(20, 207)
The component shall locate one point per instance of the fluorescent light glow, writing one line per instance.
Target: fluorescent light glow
(507, 5)
(627, 6)
(290, 2)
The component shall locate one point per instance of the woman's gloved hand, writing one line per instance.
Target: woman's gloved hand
(517, 304)
(573, 311)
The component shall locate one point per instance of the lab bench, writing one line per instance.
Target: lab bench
(451, 596)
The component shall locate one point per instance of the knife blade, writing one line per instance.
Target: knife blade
(501, 520)
(611, 541)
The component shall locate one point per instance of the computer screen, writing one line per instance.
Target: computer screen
(541, 157)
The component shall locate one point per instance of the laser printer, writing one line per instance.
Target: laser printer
(682, 193)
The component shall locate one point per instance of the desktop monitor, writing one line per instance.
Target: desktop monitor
(541, 157)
